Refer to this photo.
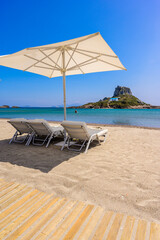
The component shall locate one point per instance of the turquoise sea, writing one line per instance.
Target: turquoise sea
(135, 117)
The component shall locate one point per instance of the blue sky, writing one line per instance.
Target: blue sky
(131, 28)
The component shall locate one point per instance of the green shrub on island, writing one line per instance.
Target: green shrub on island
(124, 101)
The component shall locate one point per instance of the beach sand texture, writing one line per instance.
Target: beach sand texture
(121, 175)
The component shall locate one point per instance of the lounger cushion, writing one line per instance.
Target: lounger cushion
(97, 132)
(20, 125)
(17, 120)
(42, 127)
(73, 123)
(80, 130)
(76, 129)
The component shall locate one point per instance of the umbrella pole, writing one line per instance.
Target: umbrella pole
(64, 94)
(64, 84)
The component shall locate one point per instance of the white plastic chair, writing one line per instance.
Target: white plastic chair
(80, 131)
(43, 131)
(20, 124)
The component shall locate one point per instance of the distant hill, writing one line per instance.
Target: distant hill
(122, 99)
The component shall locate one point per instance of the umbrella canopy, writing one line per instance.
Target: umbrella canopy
(81, 55)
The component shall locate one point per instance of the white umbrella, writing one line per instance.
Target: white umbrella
(81, 55)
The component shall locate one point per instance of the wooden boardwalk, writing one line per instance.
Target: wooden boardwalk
(27, 213)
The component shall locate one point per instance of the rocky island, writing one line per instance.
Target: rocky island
(122, 99)
(4, 106)
(7, 106)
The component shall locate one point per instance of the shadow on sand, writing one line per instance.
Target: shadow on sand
(35, 157)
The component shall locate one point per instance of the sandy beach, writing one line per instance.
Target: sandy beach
(121, 175)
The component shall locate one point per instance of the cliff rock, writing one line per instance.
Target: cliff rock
(121, 91)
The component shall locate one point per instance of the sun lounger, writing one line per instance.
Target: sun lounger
(80, 131)
(21, 128)
(43, 131)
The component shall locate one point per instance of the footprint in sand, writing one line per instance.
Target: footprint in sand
(142, 187)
